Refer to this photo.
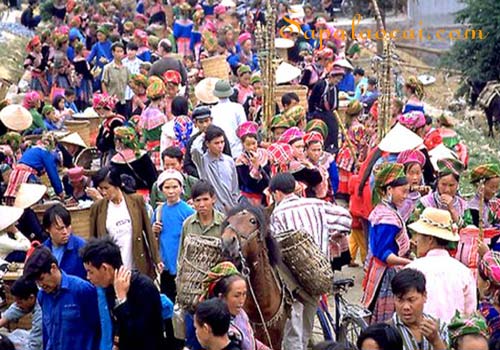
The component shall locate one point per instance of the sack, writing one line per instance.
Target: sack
(56, 91)
(178, 322)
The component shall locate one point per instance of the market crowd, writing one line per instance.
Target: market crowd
(97, 216)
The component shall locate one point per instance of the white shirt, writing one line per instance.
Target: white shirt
(228, 116)
(449, 283)
(8, 245)
(119, 227)
(133, 68)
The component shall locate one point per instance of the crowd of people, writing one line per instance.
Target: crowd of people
(178, 149)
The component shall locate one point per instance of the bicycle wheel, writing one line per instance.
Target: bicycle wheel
(350, 329)
(325, 325)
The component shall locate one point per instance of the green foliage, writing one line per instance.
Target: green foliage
(478, 58)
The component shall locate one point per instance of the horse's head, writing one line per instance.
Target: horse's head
(245, 235)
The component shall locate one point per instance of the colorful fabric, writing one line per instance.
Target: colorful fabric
(313, 136)
(156, 89)
(489, 267)
(411, 156)
(209, 40)
(104, 101)
(244, 37)
(256, 78)
(449, 136)
(30, 99)
(384, 307)
(433, 139)
(385, 174)
(243, 69)
(128, 137)
(317, 125)
(449, 166)
(151, 118)
(291, 135)
(217, 273)
(280, 156)
(12, 138)
(183, 128)
(412, 120)
(417, 85)
(356, 133)
(464, 325)
(492, 316)
(172, 76)
(48, 108)
(485, 172)
(279, 122)
(139, 80)
(410, 342)
(33, 43)
(354, 108)
(247, 128)
(295, 114)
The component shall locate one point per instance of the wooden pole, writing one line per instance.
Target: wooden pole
(346, 138)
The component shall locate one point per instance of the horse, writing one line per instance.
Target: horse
(247, 242)
(492, 111)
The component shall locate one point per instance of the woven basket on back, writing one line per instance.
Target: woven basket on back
(307, 263)
(86, 158)
(82, 127)
(93, 128)
(199, 256)
(300, 90)
(80, 219)
(215, 67)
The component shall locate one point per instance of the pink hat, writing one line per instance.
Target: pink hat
(247, 128)
(244, 37)
(313, 136)
(220, 9)
(291, 135)
(75, 174)
(411, 156)
(412, 120)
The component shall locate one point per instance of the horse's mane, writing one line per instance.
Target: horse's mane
(273, 250)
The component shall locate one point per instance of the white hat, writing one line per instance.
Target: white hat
(169, 175)
(74, 139)
(440, 152)
(204, 91)
(343, 63)
(437, 223)
(296, 11)
(286, 73)
(283, 43)
(400, 139)
(29, 194)
(9, 215)
(228, 3)
(16, 117)
(90, 112)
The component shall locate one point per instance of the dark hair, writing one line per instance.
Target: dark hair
(428, 120)
(223, 286)
(442, 242)
(23, 288)
(494, 344)
(56, 100)
(132, 46)
(173, 152)
(215, 313)
(222, 43)
(440, 176)
(246, 136)
(40, 261)
(284, 182)
(99, 251)
(406, 280)
(180, 106)
(201, 187)
(213, 132)
(386, 336)
(165, 45)
(331, 345)
(358, 71)
(112, 176)
(69, 92)
(287, 98)
(6, 343)
(56, 211)
(117, 44)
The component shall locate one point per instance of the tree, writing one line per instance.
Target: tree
(477, 58)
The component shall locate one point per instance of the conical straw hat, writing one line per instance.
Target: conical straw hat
(16, 117)
(29, 194)
(9, 215)
(400, 139)
(286, 73)
(440, 152)
(75, 139)
(204, 91)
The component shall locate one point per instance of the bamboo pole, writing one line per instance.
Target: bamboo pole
(347, 139)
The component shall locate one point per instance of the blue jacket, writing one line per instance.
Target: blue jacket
(347, 84)
(100, 50)
(71, 262)
(41, 159)
(70, 316)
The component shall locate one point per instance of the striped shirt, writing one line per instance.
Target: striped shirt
(409, 340)
(321, 219)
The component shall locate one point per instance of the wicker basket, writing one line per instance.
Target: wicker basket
(215, 67)
(80, 219)
(300, 90)
(199, 256)
(93, 128)
(85, 159)
(302, 256)
(82, 127)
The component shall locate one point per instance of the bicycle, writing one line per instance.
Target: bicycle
(349, 318)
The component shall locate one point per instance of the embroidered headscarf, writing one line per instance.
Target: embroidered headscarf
(489, 267)
(485, 172)
(128, 136)
(217, 273)
(449, 166)
(411, 156)
(104, 101)
(465, 325)
(30, 99)
(291, 135)
(386, 174)
(247, 128)
(13, 139)
(139, 80)
(417, 85)
(156, 88)
(317, 125)
(313, 136)
(412, 120)
(295, 114)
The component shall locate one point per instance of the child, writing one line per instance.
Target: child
(488, 282)
(51, 120)
(167, 226)
(70, 96)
